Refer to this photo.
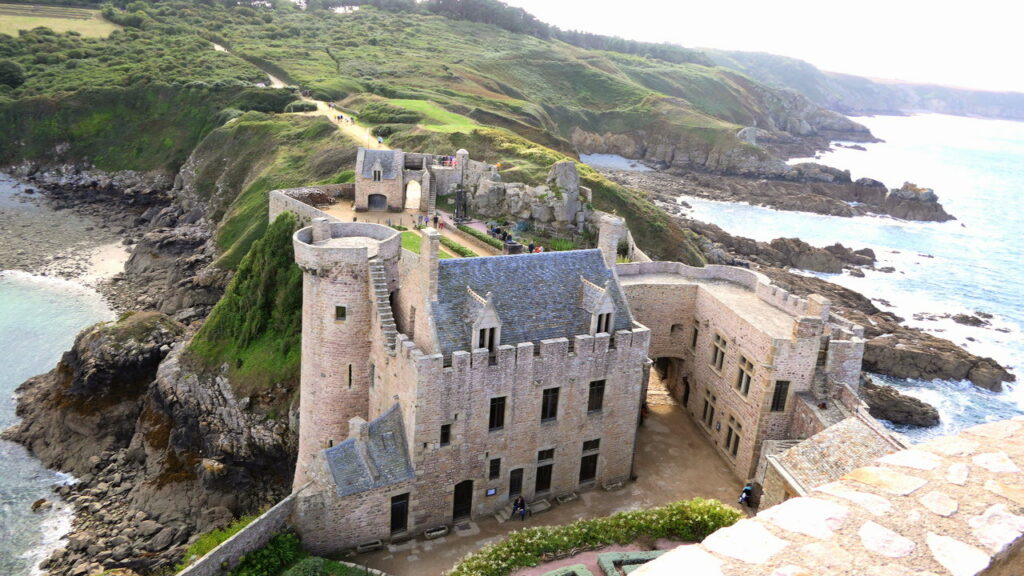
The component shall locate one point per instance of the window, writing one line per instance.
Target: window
(588, 468)
(732, 437)
(744, 376)
(718, 353)
(708, 417)
(548, 454)
(495, 469)
(604, 322)
(446, 434)
(340, 313)
(779, 396)
(543, 478)
(377, 175)
(350, 376)
(696, 333)
(497, 418)
(596, 399)
(549, 405)
(486, 339)
(591, 445)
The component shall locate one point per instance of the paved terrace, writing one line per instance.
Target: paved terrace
(735, 297)
(675, 462)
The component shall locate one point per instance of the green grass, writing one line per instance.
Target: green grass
(457, 248)
(436, 118)
(88, 23)
(412, 241)
(212, 539)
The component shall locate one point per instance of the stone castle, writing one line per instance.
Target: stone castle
(438, 390)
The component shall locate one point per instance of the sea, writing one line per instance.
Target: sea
(968, 265)
(39, 318)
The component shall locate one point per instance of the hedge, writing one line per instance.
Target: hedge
(686, 521)
(457, 248)
(481, 236)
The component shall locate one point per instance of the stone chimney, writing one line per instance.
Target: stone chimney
(611, 230)
(429, 248)
(321, 230)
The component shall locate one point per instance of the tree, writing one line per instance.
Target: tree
(11, 74)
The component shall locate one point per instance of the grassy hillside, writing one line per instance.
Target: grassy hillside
(89, 23)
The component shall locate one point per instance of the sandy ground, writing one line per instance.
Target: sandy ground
(674, 462)
(105, 262)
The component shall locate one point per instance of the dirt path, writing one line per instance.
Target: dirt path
(360, 134)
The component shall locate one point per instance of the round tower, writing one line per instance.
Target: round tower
(338, 262)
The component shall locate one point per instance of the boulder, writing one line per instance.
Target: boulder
(888, 403)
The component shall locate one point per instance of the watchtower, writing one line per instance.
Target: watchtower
(342, 265)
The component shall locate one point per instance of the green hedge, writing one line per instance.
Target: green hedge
(482, 237)
(281, 552)
(212, 539)
(686, 521)
(457, 248)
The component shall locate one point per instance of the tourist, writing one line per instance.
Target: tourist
(380, 139)
(529, 249)
(520, 506)
(745, 495)
(435, 220)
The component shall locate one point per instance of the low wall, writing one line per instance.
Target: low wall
(301, 201)
(252, 537)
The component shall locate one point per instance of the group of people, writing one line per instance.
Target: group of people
(447, 161)
(422, 221)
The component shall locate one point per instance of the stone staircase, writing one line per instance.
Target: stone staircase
(535, 507)
(379, 285)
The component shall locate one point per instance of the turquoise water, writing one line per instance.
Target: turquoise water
(39, 318)
(971, 264)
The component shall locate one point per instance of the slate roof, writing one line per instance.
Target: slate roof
(834, 452)
(537, 296)
(370, 157)
(381, 461)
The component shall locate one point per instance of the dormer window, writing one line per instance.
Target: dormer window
(484, 320)
(604, 323)
(377, 174)
(487, 338)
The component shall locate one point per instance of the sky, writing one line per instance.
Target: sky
(964, 44)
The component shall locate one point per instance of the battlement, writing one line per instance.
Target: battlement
(326, 244)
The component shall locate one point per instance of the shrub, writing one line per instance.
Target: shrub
(687, 521)
(11, 74)
(282, 551)
(457, 248)
(481, 236)
(384, 113)
(300, 106)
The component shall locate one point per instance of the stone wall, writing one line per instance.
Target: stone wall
(949, 506)
(295, 201)
(252, 537)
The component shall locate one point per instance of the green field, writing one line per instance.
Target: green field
(88, 23)
(436, 118)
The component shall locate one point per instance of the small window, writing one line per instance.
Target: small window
(591, 445)
(779, 396)
(486, 339)
(744, 376)
(696, 333)
(548, 454)
(377, 175)
(595, 401)
(732, 437)
(495, 469)
(349, 375)
(446, 434)
(549, 405)
(604, 323)
(718, 353)
(340, 312)
(497, 416)
(708, 416)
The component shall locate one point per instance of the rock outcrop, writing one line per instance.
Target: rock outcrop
(911, 202)
(161, 451)
(559, 206)
(888, 403)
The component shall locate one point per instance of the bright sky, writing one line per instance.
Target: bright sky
(972, 44)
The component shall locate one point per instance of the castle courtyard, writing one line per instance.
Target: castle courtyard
(674, 462)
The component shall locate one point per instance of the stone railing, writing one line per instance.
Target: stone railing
(950, 506)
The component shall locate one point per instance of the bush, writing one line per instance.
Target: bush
(457, 248)
(282, 551)
(384, 113)
(686, 521)
(482, 237)
(300, 106)
(11, 74)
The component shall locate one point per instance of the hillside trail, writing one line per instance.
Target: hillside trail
(360, 134)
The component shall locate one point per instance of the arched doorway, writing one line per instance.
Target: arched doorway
(413, 191)
(462, 506)
(377, 202)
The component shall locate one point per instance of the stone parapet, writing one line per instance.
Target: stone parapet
(950, 506)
